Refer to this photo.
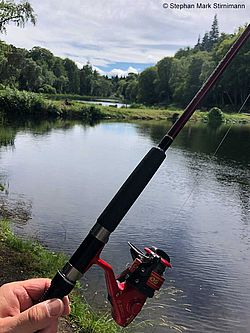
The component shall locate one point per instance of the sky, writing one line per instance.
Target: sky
(121, 36)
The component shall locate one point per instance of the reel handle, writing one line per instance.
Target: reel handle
(165, 261)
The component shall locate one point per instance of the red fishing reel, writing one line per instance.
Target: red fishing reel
(128, 292)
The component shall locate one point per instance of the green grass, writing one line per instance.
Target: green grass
(137, 113)
(41, 261)
(237, 117)
(44, 263)
(146, 113)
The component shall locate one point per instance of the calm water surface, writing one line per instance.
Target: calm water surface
(197, 208)
(106, 103)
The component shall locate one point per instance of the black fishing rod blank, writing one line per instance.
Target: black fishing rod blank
(128, 295)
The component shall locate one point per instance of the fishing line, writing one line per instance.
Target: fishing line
(213, 155)
(209, 160)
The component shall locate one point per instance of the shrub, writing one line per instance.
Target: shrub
(23, 103)
(53, 109)
(215, 115)
(15, 102)
(92, 113)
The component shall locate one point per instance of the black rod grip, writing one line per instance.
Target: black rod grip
(131, 189)
(109, 219)
(58, 289)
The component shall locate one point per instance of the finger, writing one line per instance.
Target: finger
(67, 308)
(15, 299)
(39, 317)
(25, 293)
(35, 287)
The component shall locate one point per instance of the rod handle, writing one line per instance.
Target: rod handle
(131, 189)
(59, 288)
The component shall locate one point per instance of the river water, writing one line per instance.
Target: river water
(106, 103)
(196, 208)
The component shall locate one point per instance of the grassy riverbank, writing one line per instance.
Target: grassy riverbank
(22, 259)
(14, 103)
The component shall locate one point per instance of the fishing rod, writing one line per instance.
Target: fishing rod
(128, 291)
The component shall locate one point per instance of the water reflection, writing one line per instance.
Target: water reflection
(196, 208)
(202, 138)
(7, 136)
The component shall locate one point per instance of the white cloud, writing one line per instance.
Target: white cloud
(113, 31)
(113, 72)
(121, 72)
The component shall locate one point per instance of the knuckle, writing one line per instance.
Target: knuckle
(34, 316)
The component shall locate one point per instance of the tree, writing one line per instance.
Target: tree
(121, 88)
(177, 81)
(73, 76)
(42, 57)
(86, 80)
(31, 78)
(131, 88)
(103, 86)
(234, 84)
(61, 80)
(147, 86)
(186, 52)
(193, 78)
(198, 46)
(205, 44)
(19, 14)
(14, 63)
(61, 84)
(211, 38)
(126, 87)
(58, 67)
(115, 84)
(164, 74)
(4, 51)
(214, 32)
(45, 60)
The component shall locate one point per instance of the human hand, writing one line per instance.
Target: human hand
(19, 315)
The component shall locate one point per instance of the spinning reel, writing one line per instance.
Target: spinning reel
(128, 291)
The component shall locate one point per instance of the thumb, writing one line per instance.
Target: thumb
(39, 316)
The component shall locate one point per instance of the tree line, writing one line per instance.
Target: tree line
(172, 81)
(38, 70)
(175, 80)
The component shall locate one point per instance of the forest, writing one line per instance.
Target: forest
(172, 81)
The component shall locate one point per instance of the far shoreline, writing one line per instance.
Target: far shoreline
(15, 104)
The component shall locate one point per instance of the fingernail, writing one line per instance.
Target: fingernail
(55, 307)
